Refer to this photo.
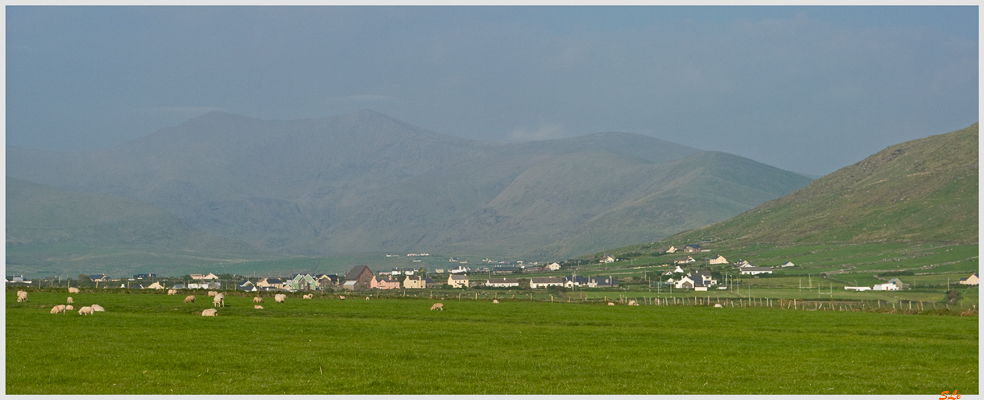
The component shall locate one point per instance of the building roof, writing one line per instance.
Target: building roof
(356, 271)
(457, 277)
(542, 279)
(503, 280)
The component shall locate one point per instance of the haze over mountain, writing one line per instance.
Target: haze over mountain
(364, 182)
(924, 190)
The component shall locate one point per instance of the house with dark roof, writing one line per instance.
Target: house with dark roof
(575, 281)
(99, 278)
(270, 284)
(602, 281)
(359, 278)
(144, 276)
(326, 280)
(386, 282)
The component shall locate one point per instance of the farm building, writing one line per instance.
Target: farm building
(155, 285)
(691, 248)
(607, 260)
(897, 282)
(359, 278)
(972, 280)
(718, 260)
(885, 286)
(458, 281)
(753, 270)
(684, 260)
(502, 282)
(857, 288)
(553, 266)
(545, 282)
(788, 264)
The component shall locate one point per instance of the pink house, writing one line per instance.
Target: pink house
(384, 282)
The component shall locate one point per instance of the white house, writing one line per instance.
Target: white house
(553, 266)
(540, 283)
(718, 260)
(502, 282)
(671, 249)
(886, 286)
(788, 264)
(972, 280)
(750, 270)
(457, 281)
(607, 259)
(857, 288)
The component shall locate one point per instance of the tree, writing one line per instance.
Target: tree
(84, 278)
(952, 297)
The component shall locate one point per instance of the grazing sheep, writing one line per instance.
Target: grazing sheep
(611, 304)
(341, 297)
(219, 300)
(495, 301)
(190, 299)
(279, 297)
(257, 299)
(96, 307)
(70, 300)
(437, 306)
(85, 311)
(21, 296)
(633, 303)
(73, 290)
(718, 306)
(212, 293)
(171, 291)
(58, 309)
(211, 312)
(70, 307)
(309, 296)
(258, 307)
(367, 298)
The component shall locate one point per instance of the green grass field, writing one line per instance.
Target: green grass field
(150, 343)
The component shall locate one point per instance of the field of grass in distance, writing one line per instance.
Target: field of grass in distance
(154, 344)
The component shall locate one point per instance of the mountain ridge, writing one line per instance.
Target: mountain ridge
(365, 182)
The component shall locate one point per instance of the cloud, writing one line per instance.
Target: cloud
(540, 132)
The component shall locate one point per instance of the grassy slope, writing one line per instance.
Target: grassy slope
(924, 190)
(153, 344)
(56, 232)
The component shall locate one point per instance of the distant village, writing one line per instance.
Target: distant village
(362, 278)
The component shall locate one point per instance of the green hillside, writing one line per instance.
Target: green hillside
(57, 232)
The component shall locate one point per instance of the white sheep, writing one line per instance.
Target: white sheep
(257, 299)
(309, 296)
(73, 290)
(611, 304)
(211, 312)
(190, 299)
(495, 301)
(58, 309)
(633, 303)
(219, 300)
(70, 300)
(96, 307)
(70, 307)
(212, 293)
(718, 306)
(85, 310)
(367, 298)
(341, 297)
(258, 307)
(21, 296)
(280, 297)
(437, 306)
(171, 291)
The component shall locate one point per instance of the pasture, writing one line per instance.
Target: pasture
(150, 343)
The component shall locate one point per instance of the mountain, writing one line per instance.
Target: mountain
(924, 190)
(64, 231)
(364, 182)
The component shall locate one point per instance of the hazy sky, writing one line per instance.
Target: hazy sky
(807, 89)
